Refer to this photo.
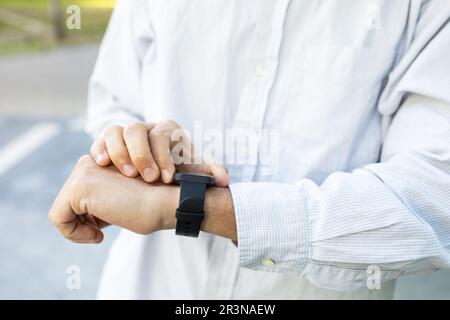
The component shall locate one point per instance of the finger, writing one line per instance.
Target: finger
(69, 224)
(137, 143)
(78, 232)
(118, 152)
(160, 146)
(99, 152)
(220, 173)
(101, 224)
(96, 222)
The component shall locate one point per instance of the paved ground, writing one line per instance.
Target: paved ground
(47, 122)
(34, 257)
(42, 98)
(54, 82)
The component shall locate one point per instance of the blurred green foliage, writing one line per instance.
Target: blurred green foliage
(14, 39)
(45, 3)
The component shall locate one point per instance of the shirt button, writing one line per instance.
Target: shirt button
(266, 262)
(261, 69)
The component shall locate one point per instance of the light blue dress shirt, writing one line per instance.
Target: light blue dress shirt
(358, 92)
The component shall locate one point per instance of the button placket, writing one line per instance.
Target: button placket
(255, 99)
(253, 105)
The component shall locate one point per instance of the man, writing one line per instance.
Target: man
(358, 94)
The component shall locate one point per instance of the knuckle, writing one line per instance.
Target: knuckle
(133, 128)
(180, 136)
(97, 144)
(80, 177)
(157, 133)
(112, 128)
(118, 156)
(169, 123)
(80, 187)
(140, 160)
(84, 161)
(82, 174)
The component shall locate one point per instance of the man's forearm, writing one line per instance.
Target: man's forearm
(219, 212)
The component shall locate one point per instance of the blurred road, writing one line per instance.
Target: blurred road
(50, 83)
(34, 257)
(42, 100)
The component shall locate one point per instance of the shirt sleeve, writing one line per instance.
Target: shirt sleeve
(395, 214)
(115, 87)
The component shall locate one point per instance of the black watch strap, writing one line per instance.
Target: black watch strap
(190, 212)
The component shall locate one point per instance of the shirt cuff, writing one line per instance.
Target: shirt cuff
(272, 226)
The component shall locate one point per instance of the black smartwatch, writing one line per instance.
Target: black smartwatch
(190, 212)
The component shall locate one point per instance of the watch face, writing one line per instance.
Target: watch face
(194, 177)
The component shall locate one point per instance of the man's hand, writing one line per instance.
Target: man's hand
(145, 149)
(94, 197)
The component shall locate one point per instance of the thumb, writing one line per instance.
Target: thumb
(219, 172)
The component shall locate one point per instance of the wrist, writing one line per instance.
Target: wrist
(170, 206)
(218, 207)
(219, 213)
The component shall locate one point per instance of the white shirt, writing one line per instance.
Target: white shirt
(359, 94)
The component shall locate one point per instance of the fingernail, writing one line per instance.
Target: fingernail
(148, 174)
(100, 157)
(129, 170)
(166, 175)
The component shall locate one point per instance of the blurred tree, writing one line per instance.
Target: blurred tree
(57, 19)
